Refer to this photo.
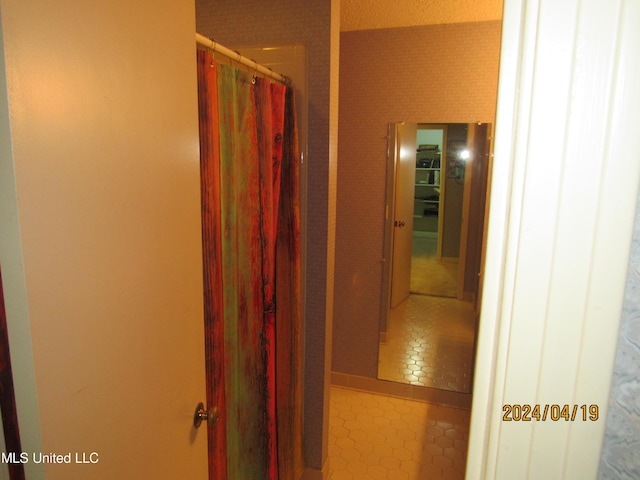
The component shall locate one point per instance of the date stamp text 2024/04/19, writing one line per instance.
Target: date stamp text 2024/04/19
(541, 413)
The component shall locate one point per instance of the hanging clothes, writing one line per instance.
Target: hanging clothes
(252, 272)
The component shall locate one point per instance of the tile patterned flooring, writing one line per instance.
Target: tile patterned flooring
(430, 276)
(374, 436)
(429, 343)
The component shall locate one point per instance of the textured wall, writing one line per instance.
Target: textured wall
(431, 74)
(316, 25)
(374, 14)
(621, 449)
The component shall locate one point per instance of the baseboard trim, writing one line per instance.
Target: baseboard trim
(402, 390)
(315, 474)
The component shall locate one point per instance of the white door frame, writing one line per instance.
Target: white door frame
(563, 194)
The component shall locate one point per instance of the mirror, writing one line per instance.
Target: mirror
(437, 177)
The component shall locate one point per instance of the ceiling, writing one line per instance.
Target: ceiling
(376, 14)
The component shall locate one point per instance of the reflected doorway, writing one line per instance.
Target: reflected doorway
(437, 215)
(428, 337)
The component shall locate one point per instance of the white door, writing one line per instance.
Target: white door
(101, 238)
(402, 221)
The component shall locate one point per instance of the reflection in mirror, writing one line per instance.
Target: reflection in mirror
(434, 242)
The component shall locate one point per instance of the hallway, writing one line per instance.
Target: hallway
(374, 436)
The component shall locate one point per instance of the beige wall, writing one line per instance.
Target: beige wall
(405, 13)
(430, 74)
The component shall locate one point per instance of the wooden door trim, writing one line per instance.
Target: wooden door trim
(8, 399)
(385, 303)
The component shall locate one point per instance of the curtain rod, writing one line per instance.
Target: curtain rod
(236, 57)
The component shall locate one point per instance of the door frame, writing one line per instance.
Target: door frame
(541, 320)
(477, 183)
(390, 205)
(387, 248)
(404, 153)
(393, 148)
(10, 440)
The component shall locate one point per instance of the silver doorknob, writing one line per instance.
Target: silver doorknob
(211, 416)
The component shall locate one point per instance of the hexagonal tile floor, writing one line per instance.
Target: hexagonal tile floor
(429, 343)
(373, 436)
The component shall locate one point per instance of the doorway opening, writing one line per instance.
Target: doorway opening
(428, 339)
(437, 215)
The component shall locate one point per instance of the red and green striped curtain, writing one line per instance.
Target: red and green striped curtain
(251, 257)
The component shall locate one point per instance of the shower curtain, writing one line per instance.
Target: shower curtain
(251, 259)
